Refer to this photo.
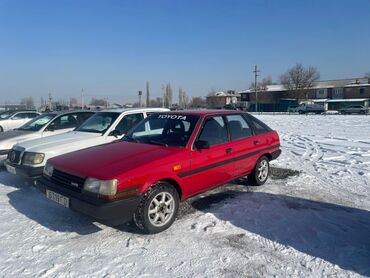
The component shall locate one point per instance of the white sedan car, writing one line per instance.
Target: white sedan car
(42, 126)
(29, 158)
(15, 119)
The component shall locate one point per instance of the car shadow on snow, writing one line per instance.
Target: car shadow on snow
(27, 200)
(334, 233)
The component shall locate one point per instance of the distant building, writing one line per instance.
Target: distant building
(13, 107)
(221, 99)
(333, 94)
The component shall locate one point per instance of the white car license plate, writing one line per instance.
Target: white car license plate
(10, 169)
(58, 198)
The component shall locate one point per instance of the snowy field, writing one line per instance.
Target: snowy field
(314, 223)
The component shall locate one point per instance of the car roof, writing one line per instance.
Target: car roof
(140, 109)
(205, 112)
(58, 113)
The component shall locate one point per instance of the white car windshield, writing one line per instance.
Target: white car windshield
(99, 122)
(38, 122)
(6, 114)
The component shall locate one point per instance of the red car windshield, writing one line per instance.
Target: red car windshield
(164, 129)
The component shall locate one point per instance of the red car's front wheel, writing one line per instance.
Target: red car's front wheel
(157, 209)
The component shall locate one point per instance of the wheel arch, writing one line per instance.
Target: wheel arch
(268, 155)
(174, 184)
(163, 178)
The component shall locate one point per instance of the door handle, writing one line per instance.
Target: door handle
(229, 150)
(256, 142)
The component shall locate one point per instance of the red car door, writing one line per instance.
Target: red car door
(213, 166)
(243, 144)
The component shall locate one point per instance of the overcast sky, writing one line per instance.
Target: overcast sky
(111, 48)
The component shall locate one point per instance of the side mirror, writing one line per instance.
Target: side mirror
(115, 133)
(51, 127)
(201, 145)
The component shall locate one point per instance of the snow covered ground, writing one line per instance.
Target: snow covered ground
(313, 224)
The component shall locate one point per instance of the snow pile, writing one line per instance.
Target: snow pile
(314, 224)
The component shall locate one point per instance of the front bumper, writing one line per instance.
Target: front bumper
(24, 170)
(108, 212)
(3, 156)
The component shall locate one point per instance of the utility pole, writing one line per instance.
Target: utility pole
(256, 71)
(164, 95)
(147, 94)
(140, 93)
(82, 98)
(50, 102)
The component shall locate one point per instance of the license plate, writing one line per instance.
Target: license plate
(58, 198)
(10, 169)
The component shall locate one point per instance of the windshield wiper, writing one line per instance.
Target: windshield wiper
(157, 143)
(130, 139)
(88, 130)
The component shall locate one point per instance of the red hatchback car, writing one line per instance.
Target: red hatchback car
(165, 159)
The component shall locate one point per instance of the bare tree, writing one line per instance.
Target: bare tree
(28, 102)
(168, 95)
(42, 102)
(298, 78)
(197, 102)
(157, 102)
(147, 104)
(98, 102)
(262, 85)
(73, 102)
(183, 99)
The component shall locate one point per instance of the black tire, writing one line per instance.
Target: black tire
(256, 178)
(141, 217)
(1, 129)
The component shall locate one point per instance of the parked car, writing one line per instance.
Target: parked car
(165, 159)
(15, 119)
(305, 108)
(354, 109)
(40, 127)
(292, 108)
(29, 158)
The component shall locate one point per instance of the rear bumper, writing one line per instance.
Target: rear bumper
(108, 212)
(26, 171)
(275, 154)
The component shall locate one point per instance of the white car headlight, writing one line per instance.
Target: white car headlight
(103, 187)
(30, 158)
(48, 169)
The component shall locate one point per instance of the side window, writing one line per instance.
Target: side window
(259, 127)
(128, 122)
(65, 121)
(239, 127)
(32, 115)
(20, 116)
(214, 131)
(82, 117)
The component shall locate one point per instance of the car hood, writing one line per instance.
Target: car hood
(61, 143)
(11, 137)
(110, 160)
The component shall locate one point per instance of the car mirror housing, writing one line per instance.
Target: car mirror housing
(51, 127)
(115, 133)
(201, 145)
